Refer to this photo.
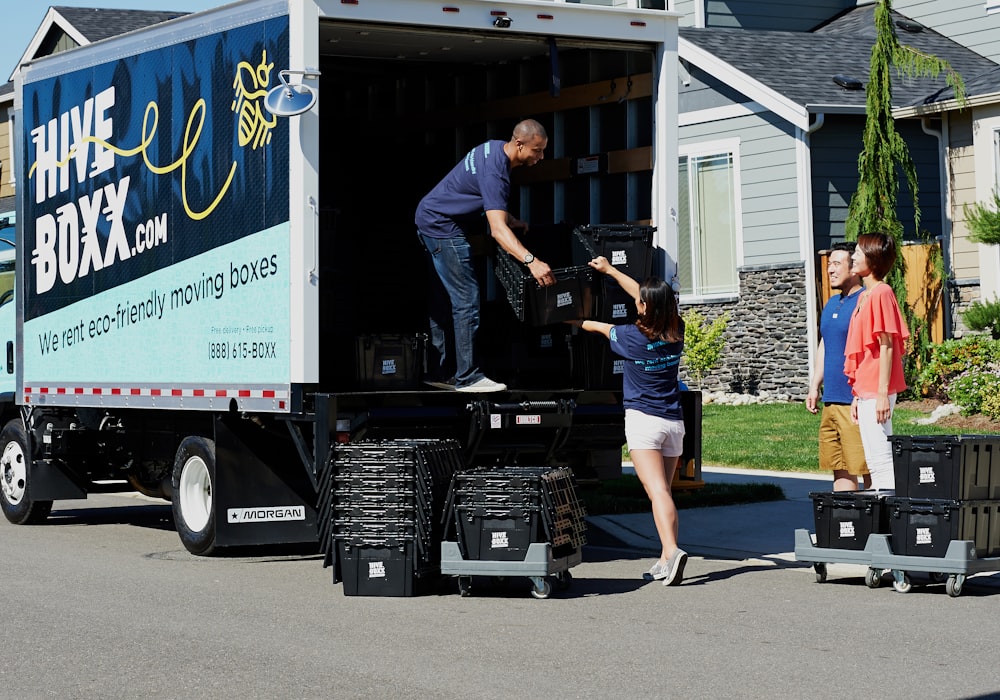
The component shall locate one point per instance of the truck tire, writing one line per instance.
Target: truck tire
(193, 499)
(15, 488)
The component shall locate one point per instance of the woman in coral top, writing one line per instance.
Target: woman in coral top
(873, 355)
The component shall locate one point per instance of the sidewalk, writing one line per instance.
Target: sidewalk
(749, 531)
(730, 532)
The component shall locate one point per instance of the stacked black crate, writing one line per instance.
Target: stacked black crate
(947, 488)
(387, 499)
(844, 519)
(629, 248)
(499, 512)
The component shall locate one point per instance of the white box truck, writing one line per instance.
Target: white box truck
(212, 212)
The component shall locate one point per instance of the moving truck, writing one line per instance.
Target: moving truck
(215, 245)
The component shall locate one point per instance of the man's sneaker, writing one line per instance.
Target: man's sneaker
(658, 571)
(483, 386)
(675, 568)
(447, 385)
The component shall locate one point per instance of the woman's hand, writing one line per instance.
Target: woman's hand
(883, 409)
(601, 264)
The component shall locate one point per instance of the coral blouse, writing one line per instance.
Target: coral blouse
(878, 313)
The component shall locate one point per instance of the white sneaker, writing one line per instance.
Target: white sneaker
(483, 386)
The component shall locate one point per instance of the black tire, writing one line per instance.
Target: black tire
(193, 500)
(15, 484)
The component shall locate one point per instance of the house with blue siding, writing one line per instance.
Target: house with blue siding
(970, 142)
(771, 125)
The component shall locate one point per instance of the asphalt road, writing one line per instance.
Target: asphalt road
(104, 602)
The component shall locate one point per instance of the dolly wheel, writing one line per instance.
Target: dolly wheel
(541, 590)
(873, 578)
(464, 586)
(820, 569)
(902, 585)
(562, 580)
(954, 585)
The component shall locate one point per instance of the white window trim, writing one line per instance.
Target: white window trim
(992, 6)
(708, 148)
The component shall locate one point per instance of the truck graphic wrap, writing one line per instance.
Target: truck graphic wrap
(157, 238)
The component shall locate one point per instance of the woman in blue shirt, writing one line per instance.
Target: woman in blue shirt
(654, 424)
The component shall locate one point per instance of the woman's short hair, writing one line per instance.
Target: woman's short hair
(880, 252)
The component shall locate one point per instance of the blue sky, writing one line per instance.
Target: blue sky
(22, 18)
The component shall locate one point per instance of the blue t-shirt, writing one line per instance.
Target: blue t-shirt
(479, 182)
(649, 380)
(833, 325)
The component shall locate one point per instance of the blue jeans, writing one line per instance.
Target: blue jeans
(454, 310)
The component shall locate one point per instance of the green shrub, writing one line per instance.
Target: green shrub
(991, 406)
(703, 343)
(984, 316)
(970, 388)
(951, 358)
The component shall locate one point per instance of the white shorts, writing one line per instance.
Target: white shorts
(645, 432)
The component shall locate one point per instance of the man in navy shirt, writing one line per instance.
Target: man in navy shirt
(840, 448)
(479, 183)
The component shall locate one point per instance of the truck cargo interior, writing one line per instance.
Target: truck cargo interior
(399, 108)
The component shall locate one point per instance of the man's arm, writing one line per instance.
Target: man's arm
(505, 238)
(817, 378)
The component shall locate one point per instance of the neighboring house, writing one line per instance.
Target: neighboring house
(971, 145)
(61, 29)
(771, 125)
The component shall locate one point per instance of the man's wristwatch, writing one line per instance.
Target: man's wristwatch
(528, 258)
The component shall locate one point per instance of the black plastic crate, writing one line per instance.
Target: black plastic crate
(613, 305)
(482, 537)
(955, 467)
(595, 366)
(570, 298)
(627, 247)
(389, 361)
(844, 519)
(382, 570)
(925, 527)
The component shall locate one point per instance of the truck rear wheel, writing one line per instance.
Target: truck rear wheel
(193, 494)
(15, 488)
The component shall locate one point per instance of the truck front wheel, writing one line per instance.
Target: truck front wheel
(15, 489)
(193, 494)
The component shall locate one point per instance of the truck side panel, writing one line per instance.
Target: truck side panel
(157, 228)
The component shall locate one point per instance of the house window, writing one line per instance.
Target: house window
(707, 225)
(996, 160)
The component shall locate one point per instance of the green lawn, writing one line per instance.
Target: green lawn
(780, 437)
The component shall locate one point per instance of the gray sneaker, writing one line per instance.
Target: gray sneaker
(658, 571)
(448, 385)
(675, 568)
(482, 386)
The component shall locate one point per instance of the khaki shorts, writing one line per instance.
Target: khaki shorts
(840, 446)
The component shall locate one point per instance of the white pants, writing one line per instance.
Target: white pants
(875, 438)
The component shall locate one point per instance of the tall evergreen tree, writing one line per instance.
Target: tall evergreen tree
(884, 153)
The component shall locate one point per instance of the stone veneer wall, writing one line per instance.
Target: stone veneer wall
(766, 335)
(963, 293)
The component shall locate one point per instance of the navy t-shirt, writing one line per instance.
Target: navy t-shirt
(833, 325)
(479, 182)
(649, 380)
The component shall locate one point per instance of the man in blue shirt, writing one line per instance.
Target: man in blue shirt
(840, 448)
(479, 183)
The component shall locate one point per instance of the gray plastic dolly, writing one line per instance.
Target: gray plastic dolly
(957, 564)
(538, 565)
(805, 550)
